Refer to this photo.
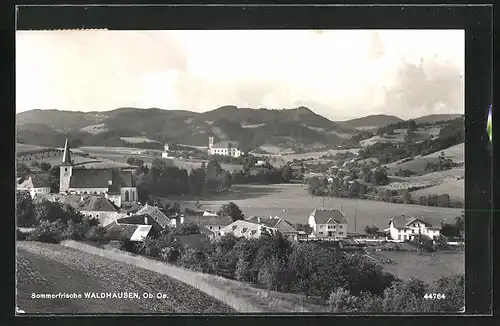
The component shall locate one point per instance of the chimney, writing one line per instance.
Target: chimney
(146, 220)
(182, 219)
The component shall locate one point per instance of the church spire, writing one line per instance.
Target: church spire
(66, 159)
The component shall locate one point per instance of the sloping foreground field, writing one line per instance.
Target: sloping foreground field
(50, 268)
(293, 203)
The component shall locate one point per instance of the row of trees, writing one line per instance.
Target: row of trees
(346, 282)
(164, 179)
(263, 175)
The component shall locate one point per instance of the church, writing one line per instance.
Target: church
(118, 186)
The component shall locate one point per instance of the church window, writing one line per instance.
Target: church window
(126, 195)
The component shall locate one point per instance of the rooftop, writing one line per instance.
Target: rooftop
(329, 216)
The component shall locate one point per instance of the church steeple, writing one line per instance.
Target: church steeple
(66, 159)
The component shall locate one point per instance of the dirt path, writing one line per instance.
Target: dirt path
(48, 268)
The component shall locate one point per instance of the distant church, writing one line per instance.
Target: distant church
(118, 186)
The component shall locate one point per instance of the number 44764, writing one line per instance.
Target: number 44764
(438, 296)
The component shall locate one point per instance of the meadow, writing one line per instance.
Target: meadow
(293, 203)
(134, 140)
(428, 267)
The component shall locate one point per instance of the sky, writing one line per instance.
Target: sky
(340, 74)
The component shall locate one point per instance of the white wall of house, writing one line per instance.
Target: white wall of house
(216, 229)
(328, 231)
(80, 191)
(234, 152)
(36, 191)
(104, 217)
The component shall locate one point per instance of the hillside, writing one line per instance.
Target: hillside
(295, 128)
(372, 121)
(434, 118)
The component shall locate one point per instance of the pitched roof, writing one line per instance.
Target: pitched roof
(403, 222)
(33, 181)
(226, 144)
(209, 220)
(277, 222)
(155, 213)
(115, 231)
(99, 178)
(242, 228)
(97, 203)
(141, 232)
(139, 220)
(328, 216)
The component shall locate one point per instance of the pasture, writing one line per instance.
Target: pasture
(292, 202)
(454, 188)
(426, 180)
(22, 148)
(134, 140)
(428, 267)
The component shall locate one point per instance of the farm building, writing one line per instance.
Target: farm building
(119, 186)
(101, 208)
(156, 214)
(406, 228)
(36, 185)
(225, 148)
(247, 229)
(276, 222)
(131, 233)
(213, 223)
(141, 219)
(328, 224)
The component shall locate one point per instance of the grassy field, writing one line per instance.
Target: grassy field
(426, 180)
(427, 267)
(292, 202)
(454, 188)
(455, 153)
(134, 140)
(21, 148)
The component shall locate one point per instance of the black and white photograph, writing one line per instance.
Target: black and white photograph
(240, 171)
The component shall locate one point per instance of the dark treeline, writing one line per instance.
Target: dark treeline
(164, 179)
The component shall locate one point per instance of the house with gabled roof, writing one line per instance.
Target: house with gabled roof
(141, 219)
(224, 147)
(213, 223)
(156, 214)
(408, 227)
(35, 184)
(247, 229)
(131, 232)
(99, 207)
(328, 224)
(276, 222)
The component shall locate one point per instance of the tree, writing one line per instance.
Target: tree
(231, 209)
(45, 166)
(25, 209)
(371, 230)
(342, 301)
(173, 208)
(286, 173)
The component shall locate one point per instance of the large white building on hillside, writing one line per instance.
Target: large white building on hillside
(224, 148)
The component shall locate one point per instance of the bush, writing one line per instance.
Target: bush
(194, 260)
(46, 231)
(96, 234)
(342, 301)
(20, 235)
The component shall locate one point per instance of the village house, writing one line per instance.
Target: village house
(166, 152)
(36, 185)
(224, 148)
(156, 214)
(214, 223)
(407, 228)
(131, 233)
(142, 219)
(276, 222)
(118, 185)
(247, 229)
(328, 224)
(99, 207)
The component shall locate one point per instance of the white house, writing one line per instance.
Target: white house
(247, 229)
(156, 214)
(328, 224)
(225, 148)
(406, 228)
(276, 222)
(34, 184)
